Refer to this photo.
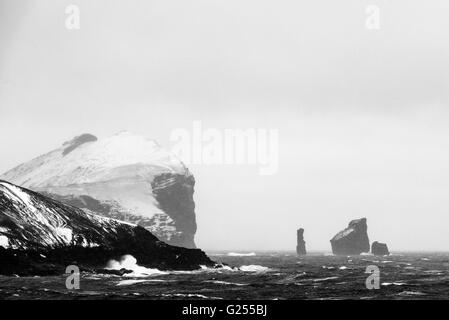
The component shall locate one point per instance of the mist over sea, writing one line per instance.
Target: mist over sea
(258, 275)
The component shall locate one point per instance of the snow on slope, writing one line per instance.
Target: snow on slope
(26, 219)
(96, 161)
(41, 236)
(118, 171)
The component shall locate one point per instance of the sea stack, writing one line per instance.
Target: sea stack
(353, 240)
(379, 249)
(300, 243)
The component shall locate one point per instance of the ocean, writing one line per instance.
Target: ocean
(259, 275)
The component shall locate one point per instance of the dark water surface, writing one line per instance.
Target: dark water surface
(269, 275)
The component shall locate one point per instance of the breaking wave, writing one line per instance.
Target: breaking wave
(386, 284)
(254, 268)
(128, 262)
(411, 293)
(226, 268)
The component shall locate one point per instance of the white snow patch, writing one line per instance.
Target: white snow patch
(65, 233)
(17, 194)
(94, 161)
(343, 233)
(324, 279)
(386, 284)
(130, 282)
(4, 242)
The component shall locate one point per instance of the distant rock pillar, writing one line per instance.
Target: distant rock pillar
(300, 243)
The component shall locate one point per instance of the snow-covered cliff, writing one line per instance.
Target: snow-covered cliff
(125, 176)
(39, 235)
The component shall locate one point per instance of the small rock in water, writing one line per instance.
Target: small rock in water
(379, 249)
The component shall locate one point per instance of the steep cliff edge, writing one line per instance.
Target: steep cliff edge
(39, 235)
(353, 240)
(125, 176)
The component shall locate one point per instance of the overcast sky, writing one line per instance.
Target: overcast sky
(362, 114)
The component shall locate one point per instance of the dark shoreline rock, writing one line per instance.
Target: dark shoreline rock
(379, 249)
(300, 243)
(353, 240)
(41, 236)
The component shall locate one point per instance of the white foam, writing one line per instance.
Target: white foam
(16, 194)
(386, 284)
(328, 268)
(411, 293)
(237, 254)
(325, 279)
(128, 262)
(254, 268)
(227, 268)
(130, 282)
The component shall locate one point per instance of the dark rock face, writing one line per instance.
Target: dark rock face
(77, 141)
(353, 240)
(379, 249)
(125, 176)
(300, 243)
(39, 235)
(174, 193)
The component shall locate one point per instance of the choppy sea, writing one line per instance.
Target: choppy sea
(259, 275)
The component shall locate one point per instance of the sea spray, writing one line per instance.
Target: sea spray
(128, 262)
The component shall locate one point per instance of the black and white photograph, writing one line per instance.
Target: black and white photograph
(247, 151)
